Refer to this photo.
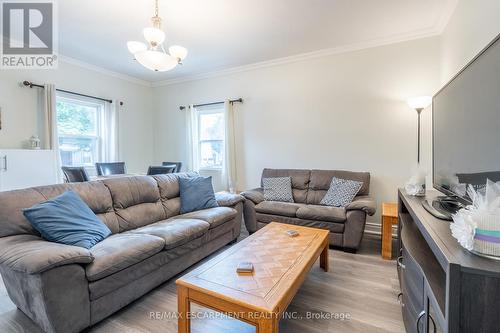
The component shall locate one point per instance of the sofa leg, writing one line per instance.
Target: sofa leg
(353, 251)
(234, 241)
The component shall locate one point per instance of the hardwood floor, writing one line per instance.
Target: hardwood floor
(360, 287)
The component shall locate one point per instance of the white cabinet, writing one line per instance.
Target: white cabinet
(21, 168)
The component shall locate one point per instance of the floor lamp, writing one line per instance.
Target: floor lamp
(418, 104)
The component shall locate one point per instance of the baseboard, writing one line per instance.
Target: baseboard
(376, 229)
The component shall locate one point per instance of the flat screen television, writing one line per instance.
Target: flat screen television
(466, 127)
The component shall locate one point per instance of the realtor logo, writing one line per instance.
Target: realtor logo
(28, 34)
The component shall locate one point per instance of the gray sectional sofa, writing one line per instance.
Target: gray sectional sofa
(346, 225)
(66, 288)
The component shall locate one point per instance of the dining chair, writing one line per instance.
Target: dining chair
(178, 165)
(75, 174)
(160, 170)
(113, 168)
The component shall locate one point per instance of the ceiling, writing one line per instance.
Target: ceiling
(222, 34)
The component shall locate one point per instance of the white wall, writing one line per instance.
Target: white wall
(20, 109)
(345, 111)
(472, 26)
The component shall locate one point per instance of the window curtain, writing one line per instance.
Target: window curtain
(192, 138)
(110, 132)
(229, 166)
(50, 137)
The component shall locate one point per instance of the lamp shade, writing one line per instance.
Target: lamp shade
(134, 47)
(154, 36)
(156, 60)
(420, 102)
(178, 52)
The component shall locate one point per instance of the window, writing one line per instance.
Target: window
(211, 138)
(79, 130)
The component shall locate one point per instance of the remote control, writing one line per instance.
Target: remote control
(244, 267)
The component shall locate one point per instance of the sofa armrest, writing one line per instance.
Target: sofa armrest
(363, 202)
(256, 195)
(31, 254)
(226, 199)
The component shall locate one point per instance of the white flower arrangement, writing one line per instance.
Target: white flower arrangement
(416, 184)
(482, 218)
(464, 229)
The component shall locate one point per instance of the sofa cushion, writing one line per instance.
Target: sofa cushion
(214, 216)
(66, 219)
(136, 201)
(196, 193)
(334, 227)
(321, 181)
(129, 275)
(300, 181)
(169, 183)
(322, 213)
(278, 208)
(31, 254)
(175, 232)
(278, 189)
(169, 191)
(120, 251)
(12, 220)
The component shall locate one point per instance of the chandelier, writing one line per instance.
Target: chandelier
(153, 55)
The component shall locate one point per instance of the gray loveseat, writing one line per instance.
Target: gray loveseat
(66, 288)
(346, 225)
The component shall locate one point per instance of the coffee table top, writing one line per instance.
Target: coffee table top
(280, 262)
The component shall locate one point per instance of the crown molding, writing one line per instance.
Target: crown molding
(436, 30)
(101, 70)
(424, 33)
(446, 15)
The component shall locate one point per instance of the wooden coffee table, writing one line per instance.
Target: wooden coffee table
(281, 264)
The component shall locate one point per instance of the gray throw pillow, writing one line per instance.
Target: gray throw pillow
(278, 189)
(341, 192)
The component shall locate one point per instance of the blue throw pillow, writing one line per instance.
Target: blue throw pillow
(196, 193)
(67, 219)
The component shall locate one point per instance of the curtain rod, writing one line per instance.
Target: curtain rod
(239, 100)
(31, 85)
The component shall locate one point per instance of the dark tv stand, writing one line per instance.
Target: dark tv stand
(444, 288)
(442, 207)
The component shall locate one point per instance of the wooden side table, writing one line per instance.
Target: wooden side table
(389, 218)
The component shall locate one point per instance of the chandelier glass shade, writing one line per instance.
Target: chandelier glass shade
(154, 36)
(153, 55)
